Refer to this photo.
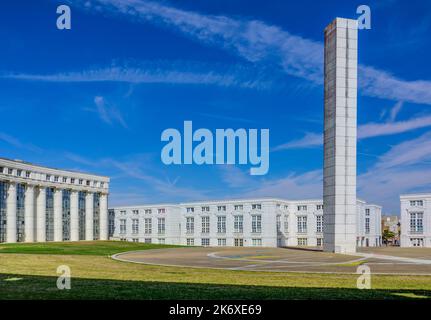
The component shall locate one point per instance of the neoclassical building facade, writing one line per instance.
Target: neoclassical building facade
(415, 220)
(39, 204)
(260, 222)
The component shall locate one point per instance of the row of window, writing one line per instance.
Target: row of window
(256, 224)
(240, 207)
(51, 178)
(146, 211)
(416, 203)
(146, 240)
(221, 242)
(148, 226)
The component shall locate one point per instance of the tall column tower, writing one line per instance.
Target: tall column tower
(339, 169)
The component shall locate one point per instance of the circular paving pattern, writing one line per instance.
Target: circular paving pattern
(380, 260)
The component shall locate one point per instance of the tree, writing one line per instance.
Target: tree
(387, 235)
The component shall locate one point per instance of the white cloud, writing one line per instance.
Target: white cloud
(257, 41)
(368, 130)
(15, 142)
(156, 73)
(395, 110)
(108, 113)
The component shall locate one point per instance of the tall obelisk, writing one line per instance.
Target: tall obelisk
(340, 124)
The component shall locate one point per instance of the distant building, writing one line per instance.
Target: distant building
(249, 222)
(392, 224)
(416, 220)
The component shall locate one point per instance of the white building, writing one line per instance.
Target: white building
(415, 220)
(45, 204)
(249, 222)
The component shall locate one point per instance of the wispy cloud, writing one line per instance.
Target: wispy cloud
(259, 42)
(15, 142)
(368, 130)
(395, 110)
(157, 72)
(108, 113)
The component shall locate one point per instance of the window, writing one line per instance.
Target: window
(72, 180)
(122, 226)
(48, 177)
(190, 210)
(162, 210)
(417, 203)
(286, 223)
(147, 240)
(161, 225)
(367, 212)
(19, 173)
(417, 242)
(135, 240)
(161, 240)
(190, 225)
(10, 171)
(319, 224)
(256, 206)
(80, 181)
(205, 242)
(102, 184)
(319, 242)
(122, 212)
(221, 208)
(205, 209)
(27, 174)
(64, 179)
(367, 225)
(286, 207)
(302, 224)
(302, 208)
(416, 222)
(56, 178)
(148, 225)
(221, 224)
(238, 242)
(256, 224)
(221, 242)
(147, 211)
(238, 224)
(135, 226)
(206, 224)
(278, 223)
(1, 169)
(238, 207)
(190, 241)
(256, 242)
(87, 182)
(319, 207)
(302, 241)
(135, 211)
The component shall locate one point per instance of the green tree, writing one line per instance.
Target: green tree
(387, 235)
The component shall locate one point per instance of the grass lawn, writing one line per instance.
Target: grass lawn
(94, 248)
(96, 276)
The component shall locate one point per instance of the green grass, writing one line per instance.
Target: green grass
(96, 276)
(94, 248)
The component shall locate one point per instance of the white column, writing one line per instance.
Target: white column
(29, 216)
(41, 215)
(11, 213)
(74, 217)
(103, 217)
(339, 172)
(89, 212)
(58, 215)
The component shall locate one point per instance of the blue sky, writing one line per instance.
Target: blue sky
(97, 97)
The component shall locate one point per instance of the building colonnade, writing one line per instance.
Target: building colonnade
(39, 213)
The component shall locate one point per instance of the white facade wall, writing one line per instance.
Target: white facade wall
(30, 184)
(415, 220)
(279, 223)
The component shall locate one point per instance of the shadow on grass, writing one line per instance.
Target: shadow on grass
(43, 287)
